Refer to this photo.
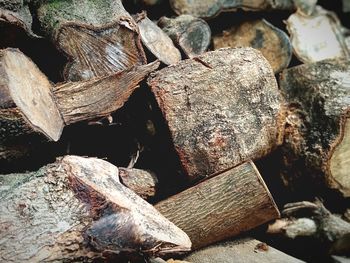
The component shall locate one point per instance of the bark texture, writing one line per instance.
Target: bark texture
(77, 210)
(191, 34)
(221, 207)
(222, 108)
(98, 37)
(317, 129)
(272, 42)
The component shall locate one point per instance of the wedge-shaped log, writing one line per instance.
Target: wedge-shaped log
(222, 108)
(318, 123)
(211, 8)
(272, 42)
(76, 209)
(190, 33)
(221, 207)
(99, 38)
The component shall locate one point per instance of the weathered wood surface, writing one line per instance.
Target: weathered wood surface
(26, 101)
(317, 37)
(142, 182)
(272, 42)
(77, 210)
(222, 108)
(191, 34)
(240, 251)
(98, 97)
(99, 38)
(156, 41)
(211, 8)
(318, 123)
(221, 207)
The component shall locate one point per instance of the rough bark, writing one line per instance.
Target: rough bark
(317, 37)
(318, 124)
(98, 97)
(191, 34)
(240, 251)
(98, 37)
(26, 101)
(211, 8)
(222, 108)
(142, 182)
(77, 210)
(221, 207)
(156, 41)
(272, 42)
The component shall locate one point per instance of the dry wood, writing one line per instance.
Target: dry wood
(240, 251)
(76, 209)
(318, 123)
(99, 38)
(211, 8)
(317, 37)
(156, 41)
(272, 42)
(190, 33)
(220, 207)
(142, 182)
(222, 108)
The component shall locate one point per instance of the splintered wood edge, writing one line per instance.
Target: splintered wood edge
(31, 92)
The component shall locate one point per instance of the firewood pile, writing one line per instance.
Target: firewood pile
(174, 131)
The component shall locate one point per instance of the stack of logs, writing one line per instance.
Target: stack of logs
(225, 101)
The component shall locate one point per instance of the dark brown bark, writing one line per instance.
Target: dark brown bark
(222, 108)
(318, 124)
(190, 33)
(221, 207)
(77, 210)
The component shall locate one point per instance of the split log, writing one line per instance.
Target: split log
(191, 34)
(222, 108)
(317, 37)
(240, 251)
(99, 38)
(272, 42)
(211, 8)
(221, 207)
(76, 209)
(142, 182)
(317, 134)
(156, 41)
(307, 219)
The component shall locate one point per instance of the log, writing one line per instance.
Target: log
(221, 207)
(222, 108)
(317, 37)
(240, 251)
(156, 41)
(317, 134)
(99, 38)
(211, 8)
(191, 34)
(272, 42)
(142, 182)
(77, 210)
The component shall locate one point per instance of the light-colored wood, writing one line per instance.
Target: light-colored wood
(221, 207)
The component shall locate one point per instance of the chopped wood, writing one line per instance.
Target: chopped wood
(156, 41)
(272, 42)
(142, 182)
(221, 207)
(211, 8)
(222, 108)
(191, 34)
(318, 123)
(317, 37)
(99, 38)
(76, 209)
